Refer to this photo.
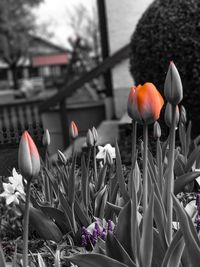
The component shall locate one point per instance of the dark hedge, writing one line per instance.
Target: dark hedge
(170, 30)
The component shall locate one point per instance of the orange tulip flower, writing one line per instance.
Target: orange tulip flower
(28, 157)
(73, 130)
(145, 103)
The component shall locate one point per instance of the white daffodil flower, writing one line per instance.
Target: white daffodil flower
(13, 190)
(101, 155)
(10, 194)
(17, 181)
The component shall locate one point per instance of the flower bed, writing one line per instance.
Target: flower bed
(101, 212)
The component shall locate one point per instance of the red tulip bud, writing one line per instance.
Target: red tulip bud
(73, 130)
(28, 157)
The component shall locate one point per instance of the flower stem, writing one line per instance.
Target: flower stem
(88, 161)
(134, 135)
(170, 176)
(145, 167)
(95, 165)
(26, 225)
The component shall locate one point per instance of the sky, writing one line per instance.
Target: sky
(55, 14)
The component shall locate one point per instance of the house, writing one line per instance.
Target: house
(46, 64)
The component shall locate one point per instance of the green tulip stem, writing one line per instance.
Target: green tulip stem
(26, 225)
(95, 164)
(134, 136)
(170, 176)
(145, 167)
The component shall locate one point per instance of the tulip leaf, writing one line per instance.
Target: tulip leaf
(2, 258)
(66, 208)
(188, 136)
(100, 202)
(120, 176)
(40, 261)
(135, 234)
(97, 260)
(44, 226)
(190, 237)
(116, 251)
(59, 216)
(111, 208)
(71, 185)
(182, 137)
(158, 251)
(123, 230)
(160, 222)
(101, 177)
(174, 252)
(183, 180)
(84, 183)
(83, 218)
(192, 158)
(146, 244)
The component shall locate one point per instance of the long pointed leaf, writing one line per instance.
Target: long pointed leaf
(146, 245)
(97, 260)
(183, 180)
(173, 255)
(120, 176)
(116, 251)
(71, 184)
(41, 261)
(2, 258)
(123, 230)
(192, 247)
(84, 183)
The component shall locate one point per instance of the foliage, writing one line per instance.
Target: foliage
(17, 23)
(96, 215)
(169, 30)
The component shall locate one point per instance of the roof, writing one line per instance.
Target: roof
(54, 59)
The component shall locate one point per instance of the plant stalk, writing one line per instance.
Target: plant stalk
(134, 136)
(170, 176)
(95, 164)
(26, 225)
(145, 167)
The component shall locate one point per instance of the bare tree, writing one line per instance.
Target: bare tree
(17, 22)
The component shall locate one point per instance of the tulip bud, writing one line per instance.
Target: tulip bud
(173, 89)
(183, 117)
(61, 157)
(168, 115)
(95, 135)
(28, 157)
(89, 138)
(73, 130)
(46, 138)
(156, 130)
(109, 159)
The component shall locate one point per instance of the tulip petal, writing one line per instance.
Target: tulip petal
(149, 102)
